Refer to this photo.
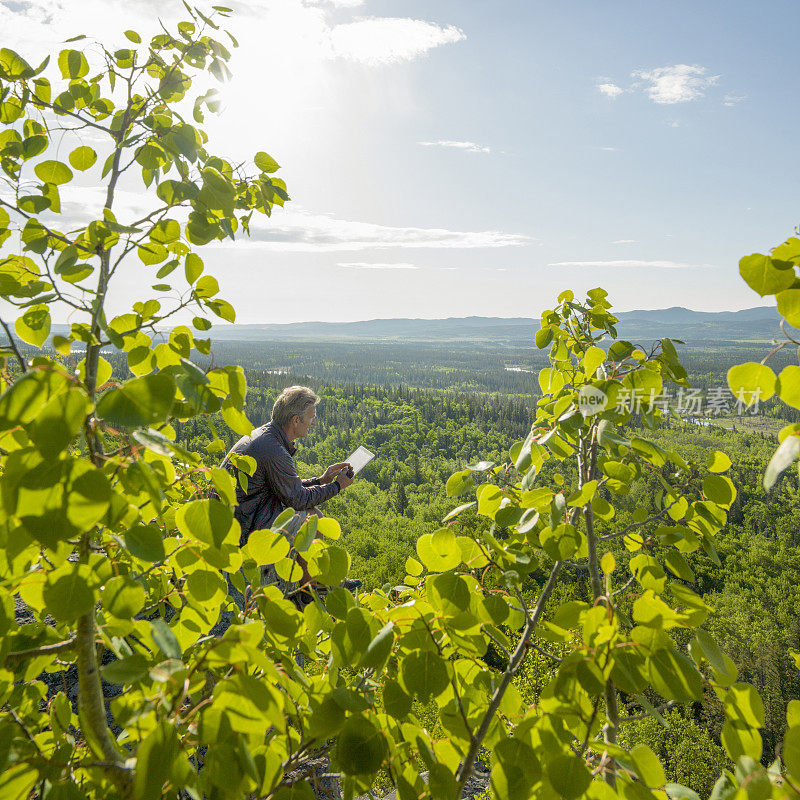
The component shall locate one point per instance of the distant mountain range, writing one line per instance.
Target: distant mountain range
(750, 324)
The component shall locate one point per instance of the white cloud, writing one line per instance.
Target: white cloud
(341, 3)
(609, 149)
(624, 241)
(632, 263)
(388, 40)
(296, 230)
(610, 89)
(367, 265)
(680, 83)
(470, 147)
(732, 99)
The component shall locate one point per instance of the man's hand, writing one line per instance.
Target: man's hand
(343, 479)
(333, 471)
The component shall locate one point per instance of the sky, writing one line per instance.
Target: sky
(458, 158)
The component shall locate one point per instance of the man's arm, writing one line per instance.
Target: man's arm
(282, 475)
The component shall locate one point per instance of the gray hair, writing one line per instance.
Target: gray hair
(293, 401)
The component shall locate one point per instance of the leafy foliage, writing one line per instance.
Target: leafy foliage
(774, 275)
(116, 538)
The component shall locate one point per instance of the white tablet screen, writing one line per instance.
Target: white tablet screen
(360, 459)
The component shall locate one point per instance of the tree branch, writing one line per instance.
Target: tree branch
(22, 365)
(45, 650)
(465, 769)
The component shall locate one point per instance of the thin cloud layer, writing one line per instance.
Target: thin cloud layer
(302, 231)
(389, 40)
(679, 83)
(470, 147)
(628, 263)
(368, 265)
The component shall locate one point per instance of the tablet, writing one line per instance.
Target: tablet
(360, 459)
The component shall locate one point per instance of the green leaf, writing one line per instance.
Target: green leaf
(379, 648)
(193, 267)
(361, 747)
(329, 565)
(561, 542)
(460, 482)
(396, 702)
(68, 597)
(154, 759)
(53, 172)
(762, 274)
(674, 676)
(719, 490)
(647, 766)
(206, 286)
(742, 703)
(543, 337)
(145, 542)
(126, 670)
(439, 551)
(677, 792)
(718, 462)
(751, 382)
(17, 782)
(266, 163)
(592, 359)
(679, 566)
(59, 421)
(33, 326)
(82, 158)
(89, 495)
(329, 527)
(122, 597)
(207, 587)
(13, 66)
(165, 639)
(515, 771)
(24, 399)
(236, 420)
(739, 739)
(788, 386)
(786, 454)
(789, 305)
(139, 402)
(267, 547)
(134, 37)
(208, 521)
(569, 776)
(424, 674)
(73, 64)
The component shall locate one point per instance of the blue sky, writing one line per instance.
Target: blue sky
(460, 158)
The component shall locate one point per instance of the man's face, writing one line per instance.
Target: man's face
(306, 422)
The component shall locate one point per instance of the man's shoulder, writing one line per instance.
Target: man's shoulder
(266, 439)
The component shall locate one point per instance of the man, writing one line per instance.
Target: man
(275, 484)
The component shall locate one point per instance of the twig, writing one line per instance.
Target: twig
(13, 344)
(45, 650)
(635, 525)
(545, 653)
(647, 714)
